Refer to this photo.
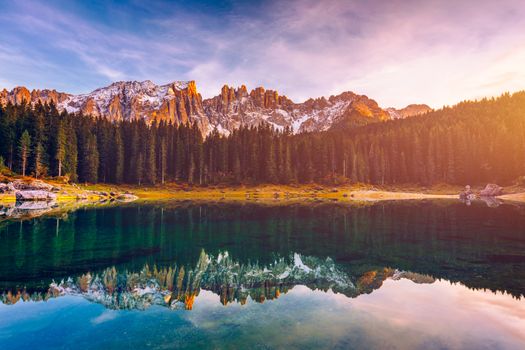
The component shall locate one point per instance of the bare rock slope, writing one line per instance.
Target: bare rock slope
(179, 102)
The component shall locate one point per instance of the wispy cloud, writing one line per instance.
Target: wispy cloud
(105, 316)
(397, 52)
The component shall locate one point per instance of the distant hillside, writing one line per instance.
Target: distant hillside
(472, 142)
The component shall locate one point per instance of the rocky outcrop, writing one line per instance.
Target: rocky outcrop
(491, 190)
(33, 190)
(236, 107)
(21, 185)
(7, 188)
(20, 94)
(179, 103)
(408, 111)
(467, 194)
(34, 185)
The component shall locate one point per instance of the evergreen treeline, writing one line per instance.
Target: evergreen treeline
(472, 142)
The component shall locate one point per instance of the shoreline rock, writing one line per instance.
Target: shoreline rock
(34, 185)
(467, 195)
(491, 190)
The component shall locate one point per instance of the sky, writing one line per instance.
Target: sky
(396, 52)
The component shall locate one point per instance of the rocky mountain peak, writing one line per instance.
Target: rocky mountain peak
(190, 86)
(179, 102)
(20, 93)
(409, 111)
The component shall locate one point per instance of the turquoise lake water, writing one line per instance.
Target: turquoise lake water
(402, 275)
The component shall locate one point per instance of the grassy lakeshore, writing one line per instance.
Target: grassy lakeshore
(354, 192)
(280, 192)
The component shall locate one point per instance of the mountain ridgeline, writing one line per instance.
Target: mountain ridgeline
(180, 103)
(472, 142)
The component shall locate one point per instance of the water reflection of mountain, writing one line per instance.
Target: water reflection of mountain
(177, 286)
(478, 246)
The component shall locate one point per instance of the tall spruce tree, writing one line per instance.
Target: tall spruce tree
(118, 156)
(24, 149)
(60, 153)
(151, 162)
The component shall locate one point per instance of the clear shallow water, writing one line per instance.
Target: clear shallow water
(401, 275)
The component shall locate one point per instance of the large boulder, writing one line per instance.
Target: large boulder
(35, 185)
(4, 188)
(7, 188)
(467, 194)
(491, 190)
(11, 187)
(22, 196)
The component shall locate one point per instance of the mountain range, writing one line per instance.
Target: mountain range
(179, 102)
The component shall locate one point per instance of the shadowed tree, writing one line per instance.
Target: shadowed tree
(24, 148)
(60, 154)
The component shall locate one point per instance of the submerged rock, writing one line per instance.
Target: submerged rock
(126, 197)
(34, 195)
(491, 202)
(81, 196)
(35, 205)
(27, 209)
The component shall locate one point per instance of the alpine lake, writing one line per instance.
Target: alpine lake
(219, 275)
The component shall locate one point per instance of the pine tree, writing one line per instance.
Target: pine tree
(24, 148)
(60, 154)
(39, 165)
(151, 166)
(139, 170)
(118, 156)
(180, 154)
(92, 157)
(71, 158)
(133, 155)
(163, 159)
(287, 175)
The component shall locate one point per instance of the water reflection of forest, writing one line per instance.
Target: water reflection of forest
(477, 246)
(178, 286)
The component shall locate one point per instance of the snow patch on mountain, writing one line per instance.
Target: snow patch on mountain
(179, 102)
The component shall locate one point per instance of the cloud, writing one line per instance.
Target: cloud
(105, 316)
(398, 52)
